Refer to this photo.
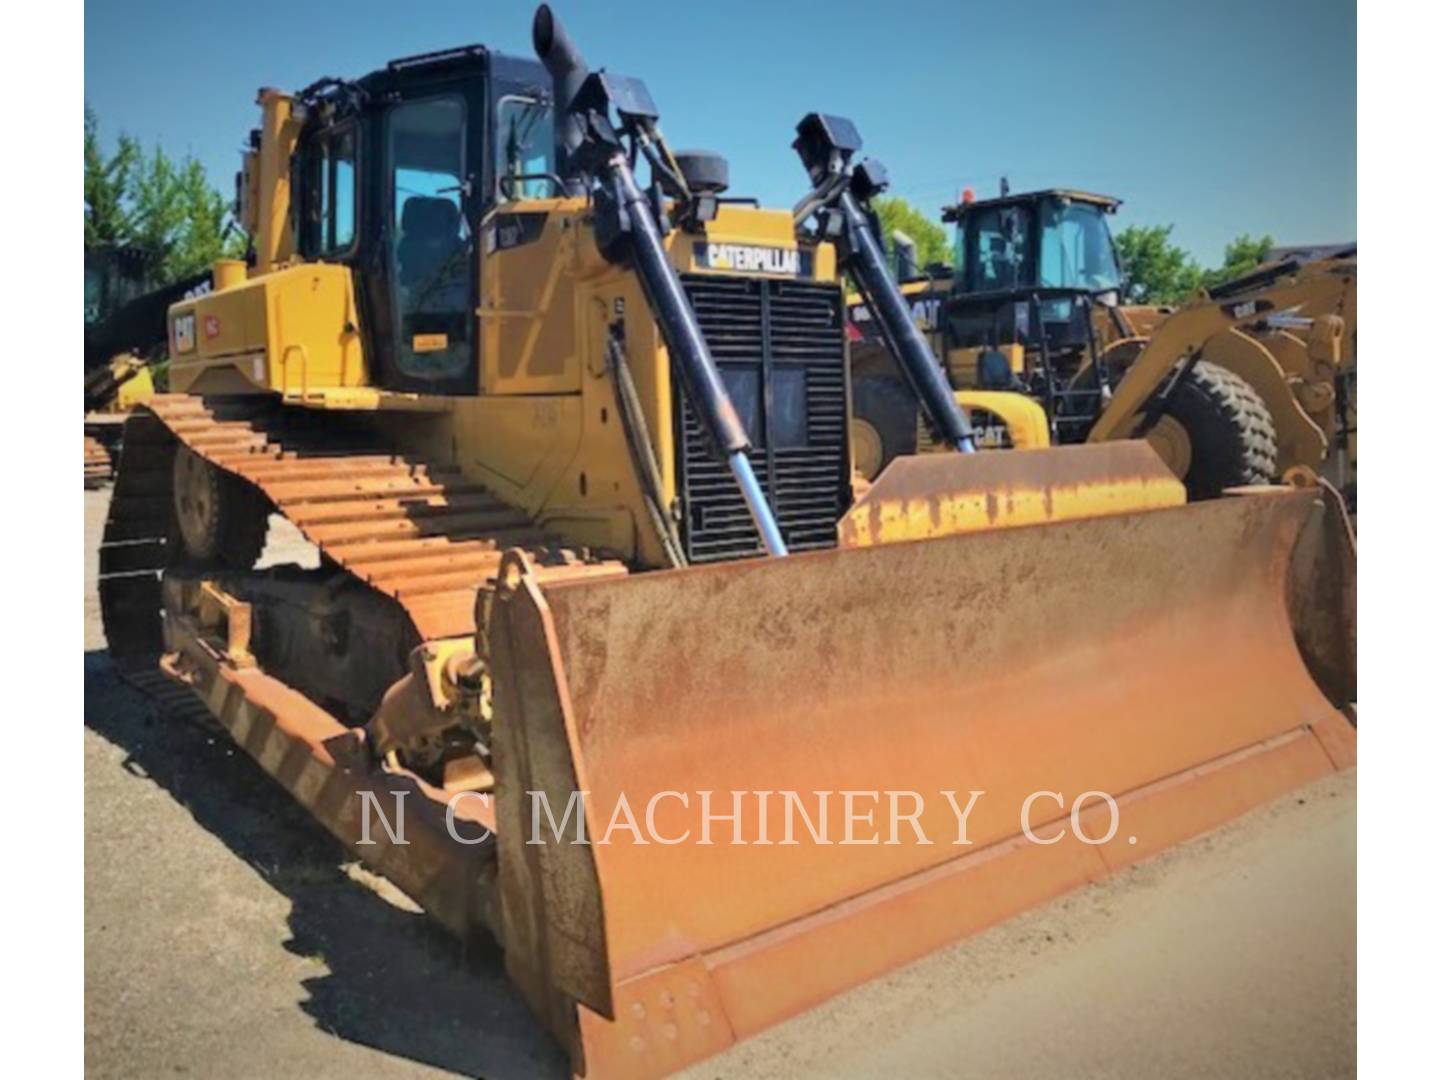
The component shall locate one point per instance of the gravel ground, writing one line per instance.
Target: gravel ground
(226, 935)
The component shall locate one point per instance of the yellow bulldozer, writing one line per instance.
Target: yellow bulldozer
(602, 657)
(1238, 386)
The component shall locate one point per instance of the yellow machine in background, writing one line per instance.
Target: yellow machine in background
(1298, 350)
(574, 451)
(111, 392)
(125, 334)
(1237, 387)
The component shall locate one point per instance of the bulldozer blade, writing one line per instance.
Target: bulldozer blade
(772, 762)
(1323, 595)
(924, 496)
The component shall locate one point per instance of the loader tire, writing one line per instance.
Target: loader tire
(220, 520)
(1230, 431)
(884, 423)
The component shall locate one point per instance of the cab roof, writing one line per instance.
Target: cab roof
(1108, 203)
(460, 62)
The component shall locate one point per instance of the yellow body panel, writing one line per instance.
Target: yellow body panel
(751, 226)
(291, 331)
(1022, 416)
(528, 299)
(136, 390)
(964, 364)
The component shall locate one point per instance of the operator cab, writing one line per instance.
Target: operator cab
(1031, 265)
(393, 175)
(1035, 295)
(1047, 239)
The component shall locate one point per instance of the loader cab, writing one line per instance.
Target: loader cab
(1036, 288)
(393, 175)
(1047, 240)
(1031, 267)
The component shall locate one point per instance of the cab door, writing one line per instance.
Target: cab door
(427, 243)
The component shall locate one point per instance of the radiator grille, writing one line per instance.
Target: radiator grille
(783, 332)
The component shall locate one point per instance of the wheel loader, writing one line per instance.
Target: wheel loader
(1312, 342)
(603, 659)
(1236, 387)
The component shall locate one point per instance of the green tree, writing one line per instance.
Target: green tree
(1159, 271)
(155, 211)
(107, 185)
(1242, 255)
(204, 225)
(932, 245)
(167, 209)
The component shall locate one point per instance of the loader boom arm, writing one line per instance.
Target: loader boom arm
(1180, 336)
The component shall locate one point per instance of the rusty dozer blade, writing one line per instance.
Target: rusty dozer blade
(1147, 656)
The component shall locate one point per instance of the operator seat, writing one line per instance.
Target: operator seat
(429, 238)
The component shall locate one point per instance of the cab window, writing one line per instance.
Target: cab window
(341, 222)
(1001, 248)
(524, 147)
(1075, 247)
(430, 242)
(328, 193)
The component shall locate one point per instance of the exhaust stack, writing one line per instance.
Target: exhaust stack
(568, 71)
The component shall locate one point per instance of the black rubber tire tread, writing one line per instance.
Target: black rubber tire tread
(892, 410)
(1232, 434)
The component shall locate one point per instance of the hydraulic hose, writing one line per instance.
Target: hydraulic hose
(642, 450)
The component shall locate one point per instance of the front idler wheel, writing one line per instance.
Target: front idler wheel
(220, 520)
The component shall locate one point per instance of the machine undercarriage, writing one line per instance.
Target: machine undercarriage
(407, 550)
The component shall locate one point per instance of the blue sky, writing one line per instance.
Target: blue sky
(1221, 118)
